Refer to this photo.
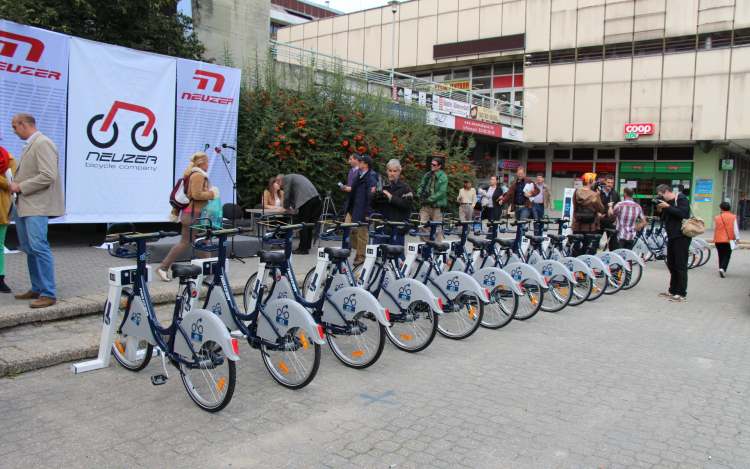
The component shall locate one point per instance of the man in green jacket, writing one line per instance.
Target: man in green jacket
(436, 182)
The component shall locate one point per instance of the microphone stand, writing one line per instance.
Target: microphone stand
(226, 162)
(262, 205)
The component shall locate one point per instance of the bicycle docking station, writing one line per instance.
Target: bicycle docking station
(120, 279)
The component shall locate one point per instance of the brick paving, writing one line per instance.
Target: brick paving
(630, 380)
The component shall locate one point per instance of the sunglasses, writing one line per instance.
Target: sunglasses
(433, 164)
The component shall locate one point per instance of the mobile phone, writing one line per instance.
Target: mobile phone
(341, 185)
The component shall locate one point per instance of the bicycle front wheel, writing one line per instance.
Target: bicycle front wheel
(501, 309)
(558, 296)
(464, 318)
(413, 329)
(600, 283)
(531, 301)
(634, 276)
(295, 365)
(581, 289)
(249, 291)
(133, 353)
(616, 280)
(363, 345)
(211, 379)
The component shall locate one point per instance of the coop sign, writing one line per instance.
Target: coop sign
(632, 131)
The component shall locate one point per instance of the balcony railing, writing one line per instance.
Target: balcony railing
(510, 114)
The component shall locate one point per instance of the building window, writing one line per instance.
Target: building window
(637, 154)
(439, 76)
(536, 154)
(481, 83)
(461, 73)
(561, 155)
(674, 154)
(275, 30)
(504, 68)
(742, 37)
(482, 71)
(605, 155)
(583, 154)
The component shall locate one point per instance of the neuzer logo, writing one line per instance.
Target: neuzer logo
(138, 160)
(9, 42)
(204, 78)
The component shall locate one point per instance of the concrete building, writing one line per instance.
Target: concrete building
(655, 91)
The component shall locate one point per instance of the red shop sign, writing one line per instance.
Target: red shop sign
(478, 127)
(673, 167)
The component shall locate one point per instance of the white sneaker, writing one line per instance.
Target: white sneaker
(164, 276)
(722, 273)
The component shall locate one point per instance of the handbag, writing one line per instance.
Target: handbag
(732, 243)
(693, 226)
(584, 216)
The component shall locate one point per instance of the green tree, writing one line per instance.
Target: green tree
(307, 121)
(147, 25)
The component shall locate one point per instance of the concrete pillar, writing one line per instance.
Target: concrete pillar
(243, 24)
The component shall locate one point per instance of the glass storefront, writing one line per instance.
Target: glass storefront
(646, 176)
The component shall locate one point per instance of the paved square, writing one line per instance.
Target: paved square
(630, 380)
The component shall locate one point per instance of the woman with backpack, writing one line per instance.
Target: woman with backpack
(587, 207)
(198, 190)
(726, 233)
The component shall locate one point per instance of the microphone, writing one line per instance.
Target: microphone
(224, 145)
(218, 150)
(206, 147)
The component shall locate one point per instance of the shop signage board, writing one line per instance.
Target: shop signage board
(637, 167)
(632, 131)
(441, 120)
(673, 167)
(477, 127)
(513, 134)
(509, 164)
(485, 114)
(703, 190)
(457, 108)
(727, 165)
(459, 85)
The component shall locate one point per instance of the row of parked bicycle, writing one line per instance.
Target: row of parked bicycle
(651, 244)
(407, 295)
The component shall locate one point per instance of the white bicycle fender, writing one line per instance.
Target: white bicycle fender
(573, 264)
(629, 256)
(137, 322)
(595, 263)
(217, 304)
(286, 314)
(352, 300)
(519, 272)
(609, 257)
(453, 283)
(514, 259)
(701, 242)
(406, 291)
(550, 268)
(201, 326)
(491, 277)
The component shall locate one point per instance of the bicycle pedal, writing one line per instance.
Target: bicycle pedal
(158, 379)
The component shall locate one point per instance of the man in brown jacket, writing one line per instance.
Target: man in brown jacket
(520, 201)
(38, 189)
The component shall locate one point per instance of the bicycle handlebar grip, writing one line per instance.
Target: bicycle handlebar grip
(167, 234)
(308, 225)
(244, 230)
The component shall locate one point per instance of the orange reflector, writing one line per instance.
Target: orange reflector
(124, 303)
(533, 301)
(619, 274)
(235, 347)
(119, 347)
(407, 337)
(387, 316)
(501, 287)
(320, 332)
(562, 292)
(471, 313)
(283, 368)
(358, 353)
(221, 384)
(303, 340)
(596, 288)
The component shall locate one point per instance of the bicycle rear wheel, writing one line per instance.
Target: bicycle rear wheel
(501, 309)
(616, 280)
(414, 329)
(531, 300)
(210, 381)
(599, 285)
(464, 318)
(581, 289)
(558, 295)
(132, 353)
(295, 365)
(696, 260)
(362, 346)
(634, 276)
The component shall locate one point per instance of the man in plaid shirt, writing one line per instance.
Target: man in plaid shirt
(627, 213)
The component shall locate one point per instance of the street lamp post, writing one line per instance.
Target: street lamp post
(394, 9)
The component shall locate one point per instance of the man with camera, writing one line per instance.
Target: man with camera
(393, 200)
(587, 208)
(674, 208)
(627, 213)
(358, 208)
(609, 196)
(432, 195)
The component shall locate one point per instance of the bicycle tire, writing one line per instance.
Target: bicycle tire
(697, 259)
(361, 348)
(616, 280)
(581, 289)
(634, 276)
(249, 291)
(356, 270)
(558, 295)
(531, 302)
(599, 286)
(706, 257)
(201, 381)
(499, 312)
(132, 353)
(296, 366)
(306, 285)
(465, 317)
(415, 329)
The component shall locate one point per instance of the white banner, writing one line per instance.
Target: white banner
(120, 134)
(457, 108)
(441, 120)
(33, 79)
(207, 107)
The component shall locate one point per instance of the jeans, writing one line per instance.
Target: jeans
(625, 244)
(677, 263)
(537, 213)
(522, 213)
(32, 236)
